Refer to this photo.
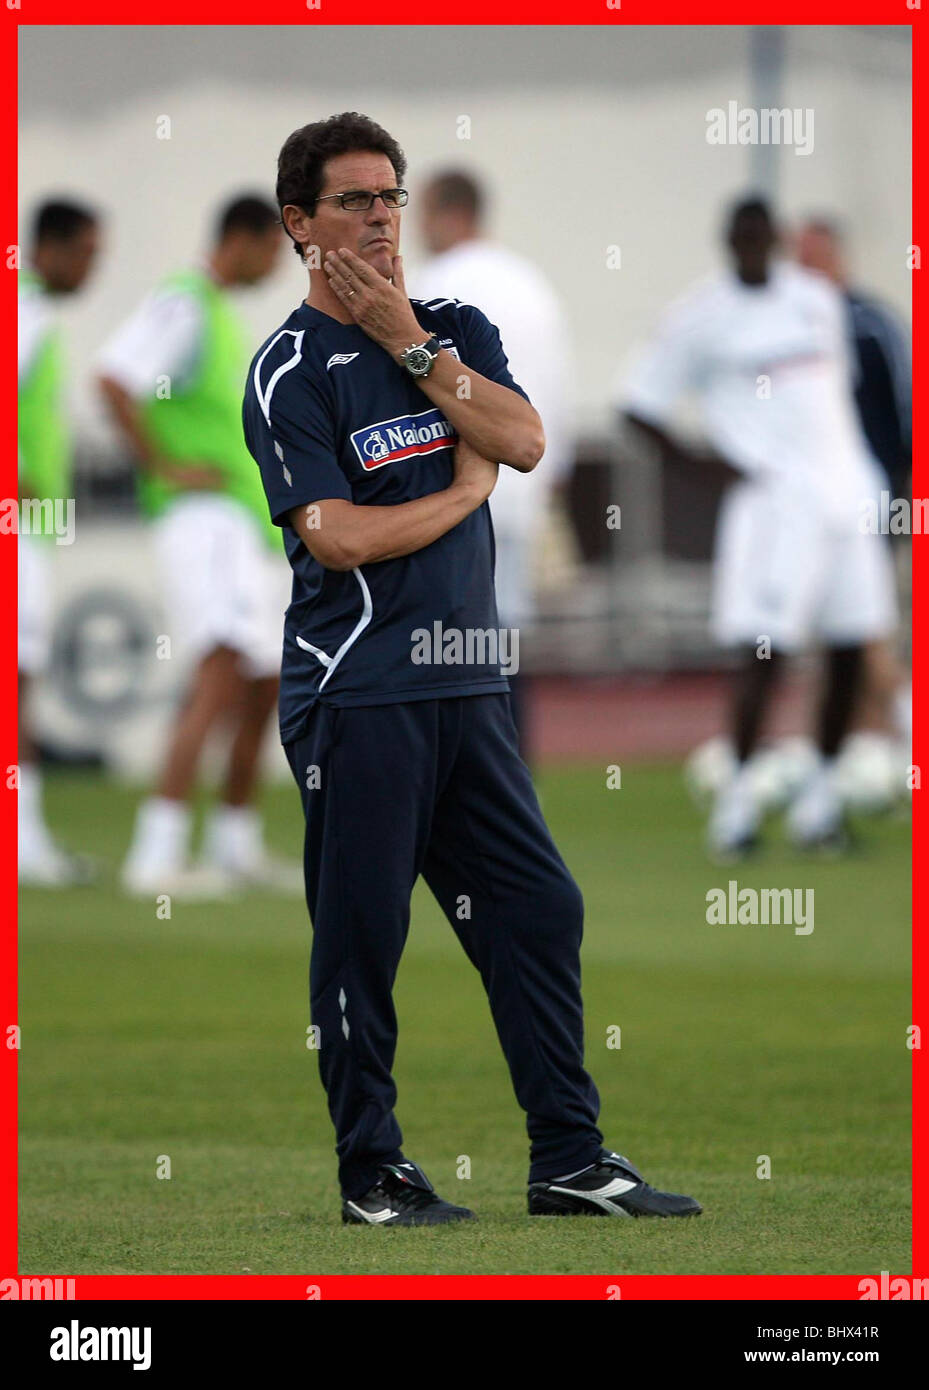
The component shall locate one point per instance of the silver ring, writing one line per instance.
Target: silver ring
(350, 293)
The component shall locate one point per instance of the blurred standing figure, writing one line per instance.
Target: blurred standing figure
(883, 393)
(763, 347)
(881, 354)
(172, 378)
(517, 298)
(65, 244)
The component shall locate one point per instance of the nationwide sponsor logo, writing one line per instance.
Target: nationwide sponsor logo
(400, 438)
(449, 345)
(340, 359)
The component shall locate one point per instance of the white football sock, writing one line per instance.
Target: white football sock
(233, 838)
(35, 840)
(817, 808)
(161, 836)
(903, 712)
(736, 813)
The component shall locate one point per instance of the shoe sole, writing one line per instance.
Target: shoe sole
(420, 1220)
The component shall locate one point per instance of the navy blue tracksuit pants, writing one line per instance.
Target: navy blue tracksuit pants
(437, 787)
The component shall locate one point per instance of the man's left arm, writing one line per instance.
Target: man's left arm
(495, 420)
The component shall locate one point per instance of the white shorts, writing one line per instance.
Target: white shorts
(788, 571)
(34, 607)
(223, 585)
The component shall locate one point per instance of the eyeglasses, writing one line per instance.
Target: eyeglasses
(359, 200)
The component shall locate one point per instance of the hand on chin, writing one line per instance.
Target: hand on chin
(380, 259)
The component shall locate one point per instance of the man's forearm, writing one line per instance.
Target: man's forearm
(184, 474)
(673, 452)
(341, 535)
(499, 423)
(125, 412)
(666, 445)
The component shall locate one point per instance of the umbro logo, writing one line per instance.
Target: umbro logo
(340, 359)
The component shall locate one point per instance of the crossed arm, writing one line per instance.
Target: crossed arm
(493, 424)
(497, 422)
(341, 535)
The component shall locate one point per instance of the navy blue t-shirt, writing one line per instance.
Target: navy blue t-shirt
(328, 413)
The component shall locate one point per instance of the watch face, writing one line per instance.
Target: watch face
(418, 361)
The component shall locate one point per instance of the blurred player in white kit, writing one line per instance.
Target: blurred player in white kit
(763, 347)
(882, 379)
(519, 301)
(172, 377)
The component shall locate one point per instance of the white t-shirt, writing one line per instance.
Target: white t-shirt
(35, 321)
(519, 301)
(769, 365)
(160, 339)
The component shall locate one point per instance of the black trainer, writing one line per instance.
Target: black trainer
(611, 1186)
(402, 1196)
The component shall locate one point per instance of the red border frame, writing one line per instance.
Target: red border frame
(455, 1287)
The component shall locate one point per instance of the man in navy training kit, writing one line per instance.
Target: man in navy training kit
(374, 420)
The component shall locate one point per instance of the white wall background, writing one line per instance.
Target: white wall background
(587, 137)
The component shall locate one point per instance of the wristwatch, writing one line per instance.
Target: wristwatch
(419, 358)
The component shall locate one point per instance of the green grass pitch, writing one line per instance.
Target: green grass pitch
(187, 1038)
